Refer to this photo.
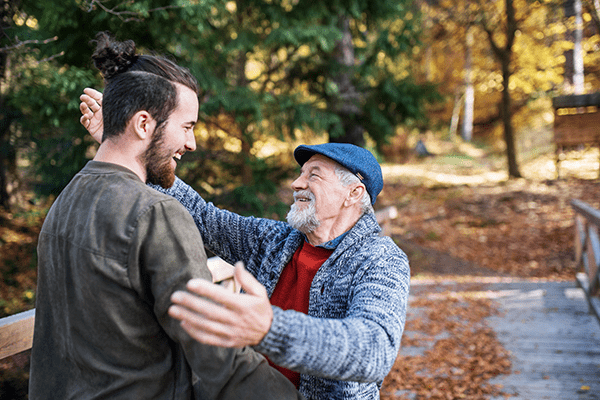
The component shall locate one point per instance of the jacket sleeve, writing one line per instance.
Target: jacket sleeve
(361, 346)
(167, 244)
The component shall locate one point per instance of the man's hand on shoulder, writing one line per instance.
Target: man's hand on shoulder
(91, 113)
(213, 315)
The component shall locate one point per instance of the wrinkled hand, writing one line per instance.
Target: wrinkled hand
(220, 317)
(91, 110)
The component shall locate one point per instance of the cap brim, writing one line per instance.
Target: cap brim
(302, 155)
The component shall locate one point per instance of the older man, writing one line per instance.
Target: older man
(338, 291)
(333, 313)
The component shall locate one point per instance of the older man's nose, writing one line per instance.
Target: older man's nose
(299, 183)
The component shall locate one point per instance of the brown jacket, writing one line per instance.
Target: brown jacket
(110, 254)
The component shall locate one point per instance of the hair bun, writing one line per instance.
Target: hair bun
(113, 57)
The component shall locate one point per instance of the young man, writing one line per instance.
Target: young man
(112, 250)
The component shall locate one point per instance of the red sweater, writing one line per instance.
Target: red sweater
(292, 289)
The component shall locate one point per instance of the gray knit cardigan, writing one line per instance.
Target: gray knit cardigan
(349, 340)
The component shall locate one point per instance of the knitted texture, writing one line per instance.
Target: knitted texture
(349, 340)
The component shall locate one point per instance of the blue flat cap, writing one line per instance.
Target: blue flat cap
(357, 160)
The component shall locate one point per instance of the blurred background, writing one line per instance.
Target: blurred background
(455, 98)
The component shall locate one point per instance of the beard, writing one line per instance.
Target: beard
(305, 219)
(158, 161)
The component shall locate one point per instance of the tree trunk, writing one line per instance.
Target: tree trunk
(353, 133)
(596, 13)
(504, 55)
(8, 159)
(458, 98)
(6, 118)
(467, 124)
(4, 196)
(511, 154)
(578, 78)
(574, 74)
(347, 102)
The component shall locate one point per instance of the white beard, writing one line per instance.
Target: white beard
(305, 219)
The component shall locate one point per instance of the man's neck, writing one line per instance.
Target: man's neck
(332, 228)
(123, 154)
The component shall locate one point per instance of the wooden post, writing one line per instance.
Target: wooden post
(587, 252)
(580, 237)
(593, 258)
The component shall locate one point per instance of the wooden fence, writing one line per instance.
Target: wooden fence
(587, 252)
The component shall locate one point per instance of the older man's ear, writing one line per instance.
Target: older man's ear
(355, 195)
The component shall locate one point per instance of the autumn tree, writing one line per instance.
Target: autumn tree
(516, 57)
(501, 41)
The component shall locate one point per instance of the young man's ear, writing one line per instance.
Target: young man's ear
(143, 124)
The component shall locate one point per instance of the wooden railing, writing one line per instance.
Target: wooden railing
(16, 331)
(587, 252)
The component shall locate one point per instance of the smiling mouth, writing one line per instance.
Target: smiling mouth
(302, 198)
(177, 156)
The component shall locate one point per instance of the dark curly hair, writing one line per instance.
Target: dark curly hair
(113, 57)
(136, 82)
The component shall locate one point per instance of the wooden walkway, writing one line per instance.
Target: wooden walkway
(547, 327)
(553, 339)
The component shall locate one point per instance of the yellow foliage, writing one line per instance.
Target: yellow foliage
(537, 60)
(231, 6)
(23, 19)
(253, 69)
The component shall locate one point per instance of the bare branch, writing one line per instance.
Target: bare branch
(25, 43)
(133, 15)
(62, 53)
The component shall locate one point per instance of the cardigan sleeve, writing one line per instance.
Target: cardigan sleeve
(231, 236)
(360, 346)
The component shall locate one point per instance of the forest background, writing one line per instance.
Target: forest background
(472, 80)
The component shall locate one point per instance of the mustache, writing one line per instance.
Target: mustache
(305, 194)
